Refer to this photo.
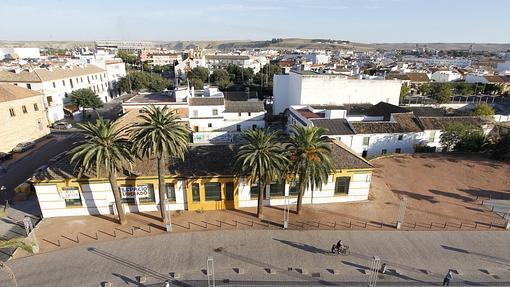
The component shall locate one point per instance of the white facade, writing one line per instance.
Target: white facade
(445, 76)
(327, 89)
(97, 198)
(503, 68)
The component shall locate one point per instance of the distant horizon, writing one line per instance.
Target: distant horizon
(253, 40)
(359, 21)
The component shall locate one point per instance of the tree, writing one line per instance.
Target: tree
(442, 93)
(159, 133)
(197, 84)
(262, 159)
(141, 80)
(200, 73)
(499, 146)
(404, 91)
(464, 89)
(158, 83)
(105, 147)
(310, 159)
(222, 79)
(425, 89)
(85, 99)
(483, 109)
(126, 57)
(462, 137)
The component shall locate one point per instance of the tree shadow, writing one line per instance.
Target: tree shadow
(494, 194)
(416, 196)
(128, 280)
(494, 259)
(303, 246)
(452, 195)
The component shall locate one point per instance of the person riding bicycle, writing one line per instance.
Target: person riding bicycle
(339, 245)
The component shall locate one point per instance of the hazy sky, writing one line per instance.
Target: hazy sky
(354, 20)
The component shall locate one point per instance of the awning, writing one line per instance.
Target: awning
(70, 108)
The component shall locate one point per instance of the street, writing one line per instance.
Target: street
(276, 257)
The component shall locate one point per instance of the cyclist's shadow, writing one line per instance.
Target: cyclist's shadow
(305, 247)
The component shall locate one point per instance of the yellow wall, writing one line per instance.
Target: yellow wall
(22, 127)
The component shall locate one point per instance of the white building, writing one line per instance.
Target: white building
(162, 59)
(443, 76)
(212, 118)
(222, 61)
(57, 84)
(20, 53)
(211, 184)
(304, 88)
(503, 68)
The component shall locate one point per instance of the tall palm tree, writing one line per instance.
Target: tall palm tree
(262, 159)
(159, 133)
(310, 157)
(105, 146)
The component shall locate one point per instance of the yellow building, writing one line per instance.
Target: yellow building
(22, 116)
(205, 180)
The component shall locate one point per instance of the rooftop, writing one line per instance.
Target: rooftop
(10, 92)
(206, 101)
(38, 75)
(439, 123)
(202, 160)
(152, 98)
(244, 106)
(334, 126)
(385, 110)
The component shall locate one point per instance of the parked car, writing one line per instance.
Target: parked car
(22, 147)
(62, 125)
(5, 156)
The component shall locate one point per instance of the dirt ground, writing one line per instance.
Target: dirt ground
(444, 192)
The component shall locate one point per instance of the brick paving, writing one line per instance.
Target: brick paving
(445, 192)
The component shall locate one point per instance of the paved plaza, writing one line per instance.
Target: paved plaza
(294, 257)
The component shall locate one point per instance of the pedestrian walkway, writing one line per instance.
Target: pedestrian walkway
(66, 232)
(277, 258)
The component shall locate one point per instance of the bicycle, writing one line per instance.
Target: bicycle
(344, 250)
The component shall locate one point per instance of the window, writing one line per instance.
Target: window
(432, 136)
(294, 188)
(384, 151)
(144, 193)
(366, 140)
(195, 129)
(195, 113)
(209, 125)
(66, 94)
(101, 77)
(342, 185)
(81, 79)
(400, 137)
(238, 128)
(229, 188)
(29, 86)
(254, 126)
(49, 99)
(71, 196)
(63, 83)
(254, 191)
(249, 114)
(12, 112)
(71, 82)
(238, 114)
(88, 79)
(54, 85)
(213, 191)
(398, 150)
(24, 109)
(215, 112)
(195, 191)
(277, 189)
(170, 191)
(364, 154)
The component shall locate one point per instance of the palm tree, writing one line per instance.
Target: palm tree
(105, 146)
(310, 157)
(159, 133)
(262, 159)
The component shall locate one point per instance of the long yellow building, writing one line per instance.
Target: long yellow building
(205, 180)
